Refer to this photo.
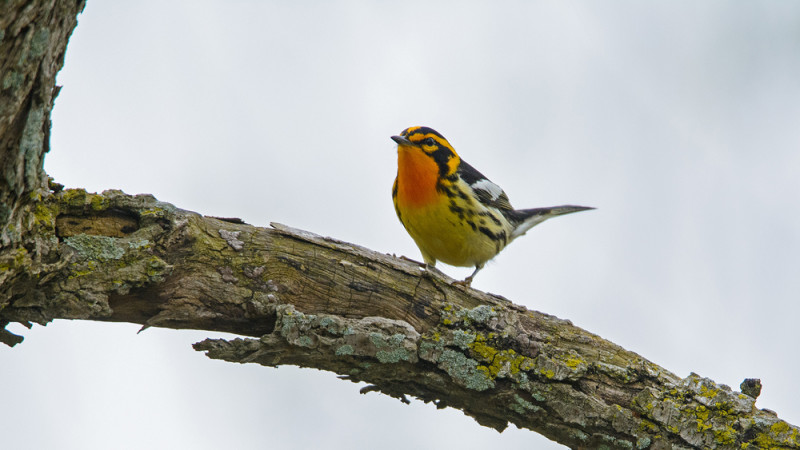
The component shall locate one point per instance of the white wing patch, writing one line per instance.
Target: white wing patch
(529, 223)
(487, 186)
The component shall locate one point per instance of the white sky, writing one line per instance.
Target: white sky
(678, 120)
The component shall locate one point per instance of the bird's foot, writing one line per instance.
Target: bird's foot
(466, 282)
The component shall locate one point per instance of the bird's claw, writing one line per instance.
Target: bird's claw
(466, 282)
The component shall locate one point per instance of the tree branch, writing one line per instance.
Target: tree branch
(33, 39)
(319, 302)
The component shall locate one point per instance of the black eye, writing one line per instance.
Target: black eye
(429, 141)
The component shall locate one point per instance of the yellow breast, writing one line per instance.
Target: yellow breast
(432, 216)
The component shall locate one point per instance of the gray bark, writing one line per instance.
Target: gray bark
(33, 39)
(311, 301)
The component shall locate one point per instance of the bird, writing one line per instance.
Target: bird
(453, 212)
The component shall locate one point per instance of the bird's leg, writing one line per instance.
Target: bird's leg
(468, 281)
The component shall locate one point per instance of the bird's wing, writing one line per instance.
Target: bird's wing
(487, 192)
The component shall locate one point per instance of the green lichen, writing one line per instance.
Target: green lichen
(98, 203)
(12, 262)
(100, 248)
(390, 349)
(12, 79)
(780, 434)
(701, 414)
(39, 43)
(643, 442)
(448, 316)
(464, 370)
(708, 393)
(725, 436)
(331, 326)
(517, 409)
(538, 396)
(380, 340)
(345, 350)
(397, 338)
(573, 362)
(452, 314)
(779, 427)
(32, 141)
(764, 440)
(294, 321)
(139, 243)
(479, 314)
(579, 435)
(156, 212)
(44, 216)
(648, 426)
(88, 268)
(644, 402)
(522, 406)
(392, 356)
(304, 341)
(156, 268)
(430, 346)
(480, 348)
(496, 362)
(462, 339)
(74, 197)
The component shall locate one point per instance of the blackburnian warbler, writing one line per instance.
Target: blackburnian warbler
(453, 212)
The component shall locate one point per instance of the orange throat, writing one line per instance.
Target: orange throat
(417, 174)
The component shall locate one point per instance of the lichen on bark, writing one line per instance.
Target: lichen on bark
(318, 302)
(302, 299)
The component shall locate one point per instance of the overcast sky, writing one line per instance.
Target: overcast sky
(678, 120)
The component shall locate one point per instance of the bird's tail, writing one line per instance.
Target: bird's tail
(525, 219)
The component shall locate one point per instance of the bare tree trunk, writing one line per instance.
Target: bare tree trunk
(33, 39)
(318, 302)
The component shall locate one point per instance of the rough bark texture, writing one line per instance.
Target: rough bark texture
(33, 39)
(318, 302)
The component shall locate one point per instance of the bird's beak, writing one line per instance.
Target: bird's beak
(402, 140)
